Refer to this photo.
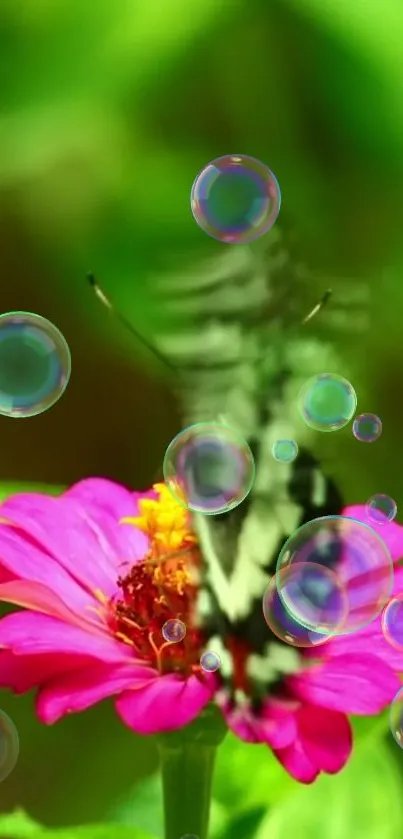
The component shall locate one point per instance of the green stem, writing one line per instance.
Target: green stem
(187, 764)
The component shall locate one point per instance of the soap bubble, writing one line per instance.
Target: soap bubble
(34, 364)
(327, 402)
(355, 553)
(381, 509)
(209, 468)
(210, 662)
(396, 718)
(367, 428)
(285, 451)
(174, 630)
(9, 745)
(392, 622)
(235, 199)
(285, 625)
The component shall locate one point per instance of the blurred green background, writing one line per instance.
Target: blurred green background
(107, 112)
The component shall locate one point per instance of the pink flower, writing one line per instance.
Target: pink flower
(96, 593)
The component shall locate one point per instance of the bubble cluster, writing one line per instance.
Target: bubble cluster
(381, 509)
(235, 199)
(392, 622)
(367, 428)
(9, 745)
(210, 662)
(209, 468)
(355, 553)
(174, 630)
(396, 718)
(282, 622)
(285, 451)
(35, 364)
(327, 402)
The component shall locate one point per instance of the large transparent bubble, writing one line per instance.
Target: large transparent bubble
(355, 553)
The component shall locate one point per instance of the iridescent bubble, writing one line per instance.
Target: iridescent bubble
(392, 622)
(396, 718)
(9, 745)
(355, 553)
(283, 623)
(209, 468)
(285, 451)
(235, 199)
(174, 630)
(210, 662)
(381, 509)
(327, 402)
(314, 597)
(35, 364)
(367, 428)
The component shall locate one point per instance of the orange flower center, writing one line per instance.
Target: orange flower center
(161, 587)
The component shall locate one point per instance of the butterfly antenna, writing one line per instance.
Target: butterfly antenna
(319, 306)
(102, 297)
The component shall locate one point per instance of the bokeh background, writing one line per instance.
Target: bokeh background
(108, 110)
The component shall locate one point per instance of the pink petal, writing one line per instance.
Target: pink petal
(21, 673)
(355, 683)
(165, 704)
(325, 737)
(80, 689)
(65, 533)
(28, 633)
(40, 598)
(22, 557)
(275, 725)
(105, 503)
(297, 764)
(391, 533)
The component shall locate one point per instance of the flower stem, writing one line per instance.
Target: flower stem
(187, 764)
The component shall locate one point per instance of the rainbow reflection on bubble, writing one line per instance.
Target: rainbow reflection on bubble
(235, 199)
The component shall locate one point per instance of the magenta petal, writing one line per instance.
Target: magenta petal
(297, 764)
(104, 504)
(325, 737)
(31, 633)
(21, 673)
(39, 598)
(391, 533)
(25, 559)
(78, 690)
(353, 683)
(275, 725)
(164, 704)
(64, 533)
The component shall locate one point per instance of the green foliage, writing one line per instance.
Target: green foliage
(363, 801)
(18, 825)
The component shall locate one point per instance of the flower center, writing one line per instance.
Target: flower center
(163, 586)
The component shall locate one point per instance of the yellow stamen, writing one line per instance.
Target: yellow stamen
(164, 520)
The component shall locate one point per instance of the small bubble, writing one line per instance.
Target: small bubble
(235, 199)
(210, 662)
(327, 402)
(284, 451)
(174, 630)
(396, 718)
(9, 745)
(367, 428)
(35, 364)
(381, 509)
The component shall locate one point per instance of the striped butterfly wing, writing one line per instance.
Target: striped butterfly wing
(232, 328)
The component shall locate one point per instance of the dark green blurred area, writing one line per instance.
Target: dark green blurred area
(108, 110)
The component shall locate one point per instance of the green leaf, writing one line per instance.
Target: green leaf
(18, 825)
(248, 776)
(363, 801)
(8, 488)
